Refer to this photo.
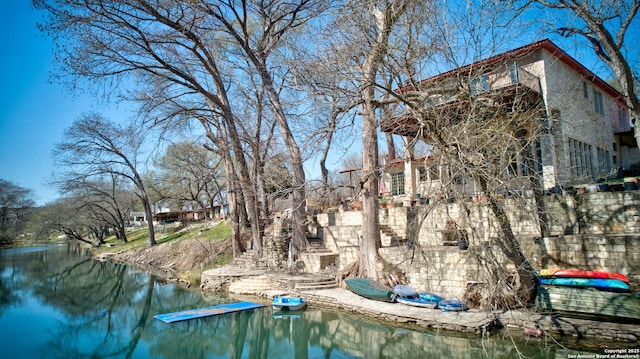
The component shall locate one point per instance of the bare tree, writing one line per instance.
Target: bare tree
(277, 19)
(605, 25)
(482, 142)
(16, 205)
(107, 200)
(95, 147)
(182, 55)
(69, 216)
(191, 173)
(364, 37)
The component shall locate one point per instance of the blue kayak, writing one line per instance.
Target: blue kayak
(430, 296)
(452, 305)
(611, 285)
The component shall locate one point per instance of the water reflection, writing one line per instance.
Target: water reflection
(60, 303)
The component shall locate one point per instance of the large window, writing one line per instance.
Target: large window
(604, 163)
(598, 105)
(397, 183)
(580, 158)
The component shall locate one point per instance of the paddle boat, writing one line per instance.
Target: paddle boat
(371, 289)
(288, 303)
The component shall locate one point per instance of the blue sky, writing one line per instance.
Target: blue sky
(34, 112)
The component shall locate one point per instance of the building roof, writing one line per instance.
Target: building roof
(519, 52)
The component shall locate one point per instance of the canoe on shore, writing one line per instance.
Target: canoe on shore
(612, 285)
(371, 289)
(579, 273)
(589, 302)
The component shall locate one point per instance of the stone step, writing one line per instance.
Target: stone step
(251, 285)
(316, 283)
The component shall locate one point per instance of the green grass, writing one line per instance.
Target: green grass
(138, 239)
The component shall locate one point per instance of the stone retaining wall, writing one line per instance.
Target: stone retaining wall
(588, 231)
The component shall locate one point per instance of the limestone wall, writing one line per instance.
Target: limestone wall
(590, 231)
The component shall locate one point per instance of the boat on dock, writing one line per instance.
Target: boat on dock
(288, 303)
(371, 289)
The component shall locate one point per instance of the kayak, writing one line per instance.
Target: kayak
(417, 302)
(579, 273)
(611, 285)
(452, 305)
(430, 296)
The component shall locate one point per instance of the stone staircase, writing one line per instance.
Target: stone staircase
(248, 260)
(317, 257)
(389, 237)
(252, 285)
(316, 283)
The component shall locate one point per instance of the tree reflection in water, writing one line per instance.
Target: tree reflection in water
(105, 310)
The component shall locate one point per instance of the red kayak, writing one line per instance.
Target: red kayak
(579, 273)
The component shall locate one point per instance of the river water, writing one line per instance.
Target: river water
(56, 302)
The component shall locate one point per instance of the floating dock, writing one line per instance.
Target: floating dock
(207, 312)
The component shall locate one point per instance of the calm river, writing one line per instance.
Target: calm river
(55, 302)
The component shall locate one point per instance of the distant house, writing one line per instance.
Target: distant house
(588, 128)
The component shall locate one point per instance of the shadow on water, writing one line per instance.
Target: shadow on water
(60, 303)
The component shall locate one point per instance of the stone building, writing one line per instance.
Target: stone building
(587, 128)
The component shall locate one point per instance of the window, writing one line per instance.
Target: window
(397, 183)
(513, 72)
(615, 160)
(423, 174)
(623, 118)
(580, 158)
(434, 173)
(480, 84)
(604, 163)
(615, 147)
(585, 89)
(598, 105)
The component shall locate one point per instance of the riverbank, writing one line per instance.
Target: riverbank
(187, 260)
(264, 285)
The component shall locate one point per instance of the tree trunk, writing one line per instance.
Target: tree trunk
(299, 210)
(149, 213)
(236, 242)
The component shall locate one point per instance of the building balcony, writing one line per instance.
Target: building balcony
(449, 102)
